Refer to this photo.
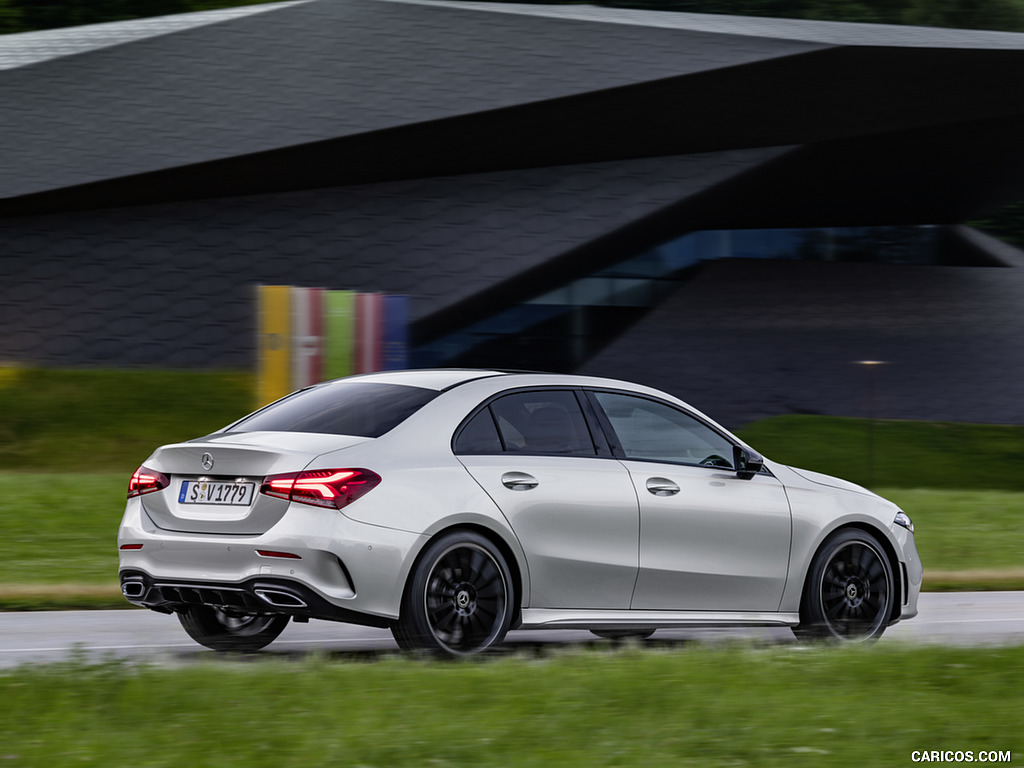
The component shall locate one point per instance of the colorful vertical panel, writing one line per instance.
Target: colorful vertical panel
(339, 330)
(274, 343)
(307, 336)
(368, 332)
(395, 344)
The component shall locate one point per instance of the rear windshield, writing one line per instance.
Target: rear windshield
(361, 409)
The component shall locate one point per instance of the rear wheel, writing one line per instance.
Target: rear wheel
(849, 591)
(459, 599)
(223, 631)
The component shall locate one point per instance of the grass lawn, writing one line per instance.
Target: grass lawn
(696, 706)
(965, 530)
(69, 440)
(59, 548)
(60, 537)
(896, 454)
(110, 420)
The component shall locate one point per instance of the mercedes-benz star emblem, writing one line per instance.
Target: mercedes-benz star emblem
(207, 461)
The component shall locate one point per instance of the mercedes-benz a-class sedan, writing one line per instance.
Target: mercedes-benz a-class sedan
(455, 505)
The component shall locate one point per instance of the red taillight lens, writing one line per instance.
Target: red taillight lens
(146, 481)
(333, 488)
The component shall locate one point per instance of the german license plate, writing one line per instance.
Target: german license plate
(207, 492)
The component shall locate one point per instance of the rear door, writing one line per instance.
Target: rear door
(570, 503)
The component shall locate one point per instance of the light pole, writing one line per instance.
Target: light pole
(871, 365)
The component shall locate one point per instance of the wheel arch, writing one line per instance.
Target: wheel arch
(503, 547)
(887, 547)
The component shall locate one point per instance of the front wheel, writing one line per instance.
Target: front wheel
(459, 599)
(849, 591)
(223, 631)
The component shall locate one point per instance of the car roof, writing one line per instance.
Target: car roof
(441, 379)
(428, 378)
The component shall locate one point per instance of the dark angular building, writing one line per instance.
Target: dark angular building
(702, 203)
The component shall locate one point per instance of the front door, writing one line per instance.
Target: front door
(709, 540)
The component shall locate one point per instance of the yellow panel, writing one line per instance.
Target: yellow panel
(274, 303)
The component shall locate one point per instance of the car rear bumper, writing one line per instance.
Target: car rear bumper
(314, 563)
(280, 596)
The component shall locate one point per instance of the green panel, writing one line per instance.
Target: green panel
(339, 327)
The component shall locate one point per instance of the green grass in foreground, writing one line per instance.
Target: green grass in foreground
(699, 707)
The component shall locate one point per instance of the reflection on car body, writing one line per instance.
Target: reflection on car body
(455, 505)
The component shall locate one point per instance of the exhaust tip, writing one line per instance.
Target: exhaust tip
(133, 589)
(280, 599)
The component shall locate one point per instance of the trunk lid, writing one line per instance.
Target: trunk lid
(221, 496)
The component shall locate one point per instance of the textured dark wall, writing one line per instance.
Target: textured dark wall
(474, 158)
(748, 339)
(172, 284)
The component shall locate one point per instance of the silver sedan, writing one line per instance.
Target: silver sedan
(455, 505)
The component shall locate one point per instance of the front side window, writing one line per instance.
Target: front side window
(653, 431)
(542, 422)
(357, 408)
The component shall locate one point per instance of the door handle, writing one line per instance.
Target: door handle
(518, 481)
(661, 486)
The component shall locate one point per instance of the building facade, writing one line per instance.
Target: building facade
(736, 210)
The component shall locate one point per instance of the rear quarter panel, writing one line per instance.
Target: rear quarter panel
(424, 489)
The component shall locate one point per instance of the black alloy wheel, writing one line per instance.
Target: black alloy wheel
(459, 600)
(849, 591)
(228, 631)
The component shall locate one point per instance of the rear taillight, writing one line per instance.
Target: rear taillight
(332, 488)
(146, 481)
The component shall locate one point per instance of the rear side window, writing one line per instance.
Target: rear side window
(543, 422)
(360, 409)
(479, 436)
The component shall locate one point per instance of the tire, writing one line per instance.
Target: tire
(221, 631)
(623, 634)
(459, 599)
(404, 643)
(850, 590)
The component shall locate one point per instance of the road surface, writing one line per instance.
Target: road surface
(961, 619)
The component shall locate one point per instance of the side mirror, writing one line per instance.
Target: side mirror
(747, 462)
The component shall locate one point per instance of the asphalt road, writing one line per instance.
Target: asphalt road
(962, 619)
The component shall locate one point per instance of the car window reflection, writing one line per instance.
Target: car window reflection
(548, 422)
(652, 431)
